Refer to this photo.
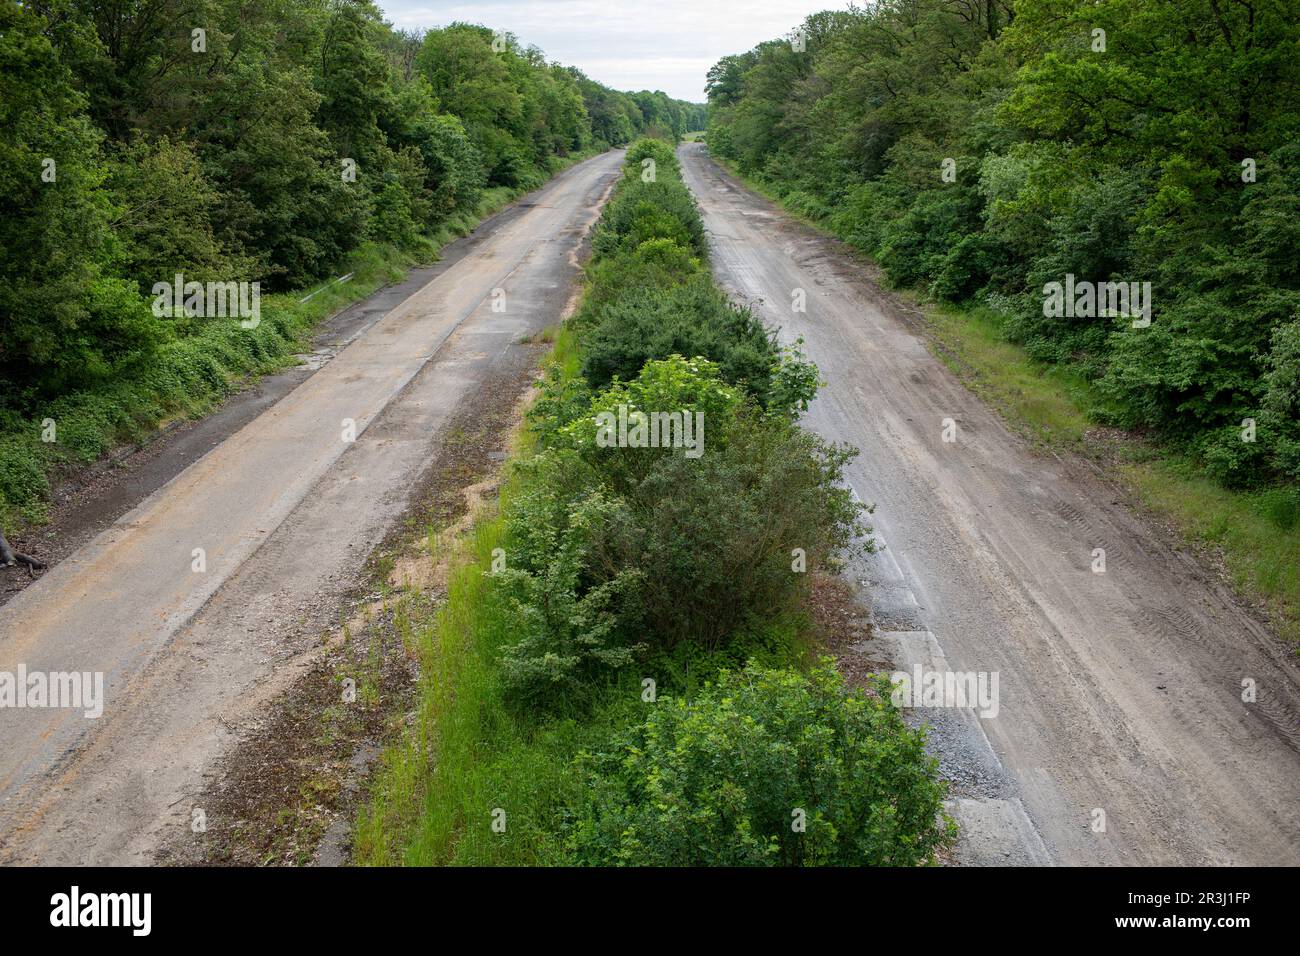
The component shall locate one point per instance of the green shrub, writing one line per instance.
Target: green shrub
(694, 319)
(719, 534)
(392, 220)
(687, 549)
(1281, 401)
(657, 264)
(641, 210)
(566, 634)
(966, 268)
(22, 474)
(656, 149)
(806, 204)
(913, 248)
(1230, 460)
(764, 768)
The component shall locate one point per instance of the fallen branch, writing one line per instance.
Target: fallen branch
(9, 557)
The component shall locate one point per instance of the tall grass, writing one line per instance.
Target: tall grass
(468, 757)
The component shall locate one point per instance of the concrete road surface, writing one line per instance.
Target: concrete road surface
(1120, 692)
(196, 604)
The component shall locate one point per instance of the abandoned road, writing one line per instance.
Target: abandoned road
(1121, 735)
(204, 599)
(1122, 730)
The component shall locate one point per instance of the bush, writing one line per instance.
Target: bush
(913, 248)
(649, 210)
(695, 319)
(765, 768)
(568, 635)
(662, 153)
(967, 268)
(1281, 506)
(1230, 460)
(687, 549)
(657, 264)
(715, 532)
(22, 475)
(392, 220)
(719, 534)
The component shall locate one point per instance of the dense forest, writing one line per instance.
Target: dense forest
(1018, 154)
(234, 141)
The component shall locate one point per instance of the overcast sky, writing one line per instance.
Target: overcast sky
(628, 44)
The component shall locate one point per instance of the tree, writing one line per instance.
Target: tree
(53, 225)
(979, 150)
(233, 140)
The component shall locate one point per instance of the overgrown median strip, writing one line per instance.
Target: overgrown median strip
(621, 672)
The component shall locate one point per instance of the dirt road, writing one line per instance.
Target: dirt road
(202, 601)
(1121, 691)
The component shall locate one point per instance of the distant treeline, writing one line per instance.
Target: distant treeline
(984, 150)
(248, 140)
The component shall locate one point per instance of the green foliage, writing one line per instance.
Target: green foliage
(164, 220)
(267, 150)
(764, 768)
(566, 635)
(645, 211)
(649, 297)
(690, 548)
(693, 543)
(656, 265)
(52, 233)
(975, 153)
(1281, 402)
(655, 149)
(453, 169)
(692, 319)
(622, 560)
(392, 220)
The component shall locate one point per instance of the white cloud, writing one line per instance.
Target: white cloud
(627, 44)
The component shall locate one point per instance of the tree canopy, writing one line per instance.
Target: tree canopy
(983, 149)
(255, 140)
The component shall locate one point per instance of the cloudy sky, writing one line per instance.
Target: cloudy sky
(628, 44)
